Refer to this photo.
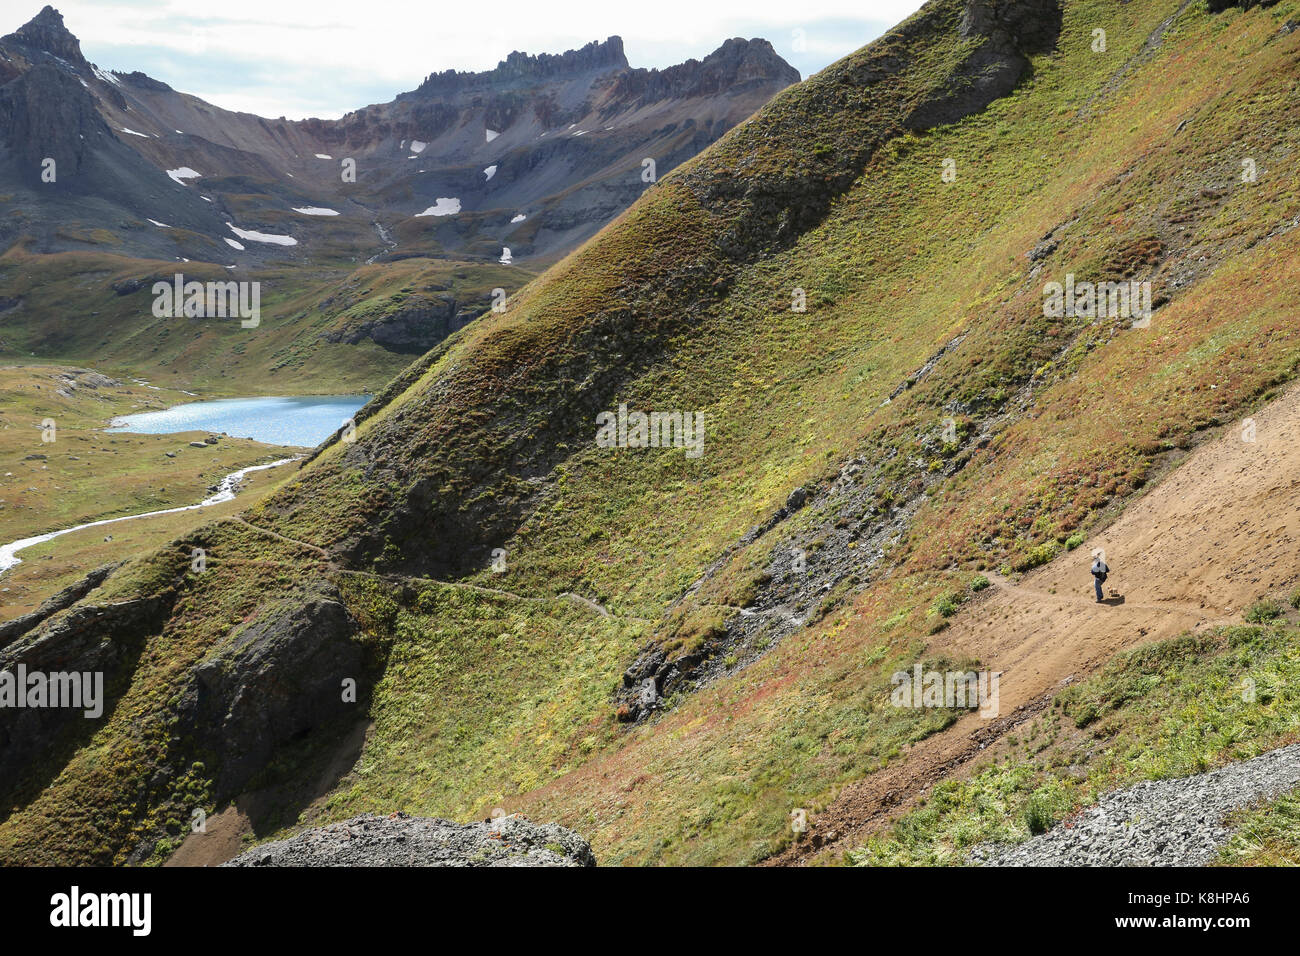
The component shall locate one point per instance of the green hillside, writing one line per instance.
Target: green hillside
(97, 310)
(500, 572)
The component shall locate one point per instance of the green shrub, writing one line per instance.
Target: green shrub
(978, 583)
(1038, 814)
(948, 604)
(1263, 611)
(1037, 556)
(1073, 541)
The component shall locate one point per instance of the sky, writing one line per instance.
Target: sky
(324, 58)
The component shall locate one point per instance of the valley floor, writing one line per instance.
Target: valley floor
(76, 472)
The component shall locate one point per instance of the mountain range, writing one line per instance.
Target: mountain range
(534, 156)
(649, 552)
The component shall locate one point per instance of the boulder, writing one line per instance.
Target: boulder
(277, 679)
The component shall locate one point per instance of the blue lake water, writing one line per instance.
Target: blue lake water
(305, 421)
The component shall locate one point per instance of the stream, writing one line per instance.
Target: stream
(226, 491)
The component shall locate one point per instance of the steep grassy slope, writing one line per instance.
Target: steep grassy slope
(489, 686)
(1165, 710)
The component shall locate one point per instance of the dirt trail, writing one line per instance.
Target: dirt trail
(1216, 534)
(316, 549)
(334, 566)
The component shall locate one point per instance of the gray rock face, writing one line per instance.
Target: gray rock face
(12, 630)
(400, 840)
(46, 32)
(413, 329)
(1011, 33)
(96, 639)
(1160, 823)
(1030, 26)
(46, 113)
(276, 680)
(565, 136)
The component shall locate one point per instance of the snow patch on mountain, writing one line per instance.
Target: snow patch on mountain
(443, 207)
(253, 236)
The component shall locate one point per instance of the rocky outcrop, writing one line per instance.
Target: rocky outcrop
(294, 671)
(733, 64)
(401, 840)
(525, 68)
(103, 641)
(10, 631)
(146, 82)
(1011, 31)
(276, 680)
(46, 32)
(413, 329)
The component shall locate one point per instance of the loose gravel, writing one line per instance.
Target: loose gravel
(1160, 823)
(400, 840)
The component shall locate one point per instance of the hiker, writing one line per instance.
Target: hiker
(1099, 572)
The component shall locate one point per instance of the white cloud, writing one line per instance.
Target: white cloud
(343, 54)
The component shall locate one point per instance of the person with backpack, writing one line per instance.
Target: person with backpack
(1099, 572)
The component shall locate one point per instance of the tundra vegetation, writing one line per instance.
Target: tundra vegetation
(484, 687)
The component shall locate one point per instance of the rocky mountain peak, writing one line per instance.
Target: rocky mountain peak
(593, 56)
(46, 32)
(520, 67)
(736, 62)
